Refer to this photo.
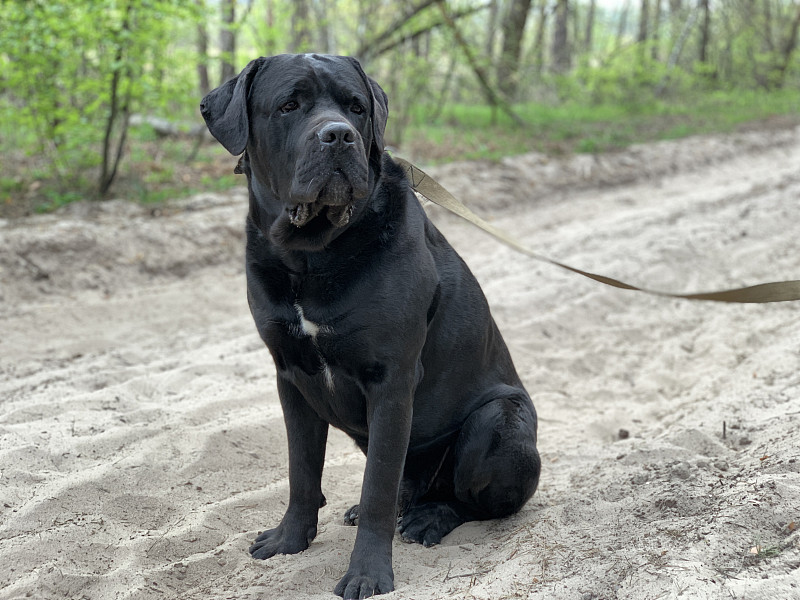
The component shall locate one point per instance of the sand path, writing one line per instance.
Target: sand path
(142, 444)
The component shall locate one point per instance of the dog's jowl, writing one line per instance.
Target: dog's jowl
(375, 324)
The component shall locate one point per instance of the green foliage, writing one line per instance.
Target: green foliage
(64, 65)
(72, 72)
(629, 78)
(465, 132)
(56, 200)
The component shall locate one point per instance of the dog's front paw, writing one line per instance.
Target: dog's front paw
(364, 582)
(282, 540)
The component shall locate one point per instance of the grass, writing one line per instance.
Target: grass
(152, 172)
(155, 170)
(464, 132)
(759, 553)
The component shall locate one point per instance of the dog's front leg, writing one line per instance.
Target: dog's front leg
(307, 435)
(370, 571)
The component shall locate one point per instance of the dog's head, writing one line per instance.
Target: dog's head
(312, 127)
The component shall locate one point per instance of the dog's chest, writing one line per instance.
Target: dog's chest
(330, 354)
(307, 330)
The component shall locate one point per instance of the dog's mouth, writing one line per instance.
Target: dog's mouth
(339, 216)
(335, 202)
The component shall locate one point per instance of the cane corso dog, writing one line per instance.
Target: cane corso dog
(375, 324)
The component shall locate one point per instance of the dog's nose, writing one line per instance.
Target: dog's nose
(337, 135)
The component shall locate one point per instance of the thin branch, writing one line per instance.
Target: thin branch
(493, 97)
(246, 12)
(105, 177)
(677, 49)
(392, 44)
(366, 47)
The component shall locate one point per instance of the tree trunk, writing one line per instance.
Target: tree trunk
(644, 31)
(301, 27)
(656, 33)
(705, 31)
(725, 61)
(675, 26)
(202, 53)
(622, 25)
(513, 29)
(677, 48)
(560, 48)
(587, 38)
(119, 110)
(269, 17)
(788, 49)
(491, 29)
(227, 40)
(644, 16)
(768, 37)
(538, 44)
(323, 29)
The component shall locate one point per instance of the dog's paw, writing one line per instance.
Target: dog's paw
(364, 582)
(428, 523)
(351, 516)
(282, 540)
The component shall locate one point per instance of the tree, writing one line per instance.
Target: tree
(513, 30)
(202, 52)
(75, 73)
(301, 27)
(560, 49)
(491, 96)
(323, 30)
(119, 103)
(491, 28)
(788, 47)
(587, 38)
(538, 43)
(705, 30)
(227, 40)
(656, 29)
(644, 15)
(622, 24)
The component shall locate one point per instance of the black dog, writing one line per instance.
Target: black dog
(375, 324)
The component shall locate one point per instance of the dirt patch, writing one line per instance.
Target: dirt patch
(142, 441)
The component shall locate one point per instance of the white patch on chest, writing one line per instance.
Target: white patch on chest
(312, 329)
(306, 326)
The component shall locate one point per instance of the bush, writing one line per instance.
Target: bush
(72, 73)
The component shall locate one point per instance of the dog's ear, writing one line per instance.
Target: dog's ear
(380, 114)
(225, 109)
(380, 107)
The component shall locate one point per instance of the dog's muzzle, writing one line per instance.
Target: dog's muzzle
(337, 142)
(335, 199)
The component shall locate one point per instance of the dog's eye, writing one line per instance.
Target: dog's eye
(289, 106)
(356, 107)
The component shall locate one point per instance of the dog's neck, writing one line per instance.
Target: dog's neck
(385, 206)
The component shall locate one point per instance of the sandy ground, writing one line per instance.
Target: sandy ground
(142, 444)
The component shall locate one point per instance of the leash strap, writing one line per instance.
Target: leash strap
(425, 185)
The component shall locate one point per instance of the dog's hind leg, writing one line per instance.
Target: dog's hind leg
(495, 470)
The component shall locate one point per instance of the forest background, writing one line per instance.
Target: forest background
(99, 98)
